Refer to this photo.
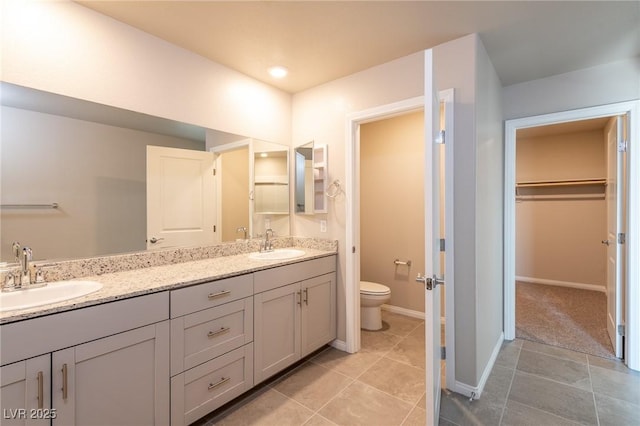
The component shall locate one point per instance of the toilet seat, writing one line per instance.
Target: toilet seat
(373, 289)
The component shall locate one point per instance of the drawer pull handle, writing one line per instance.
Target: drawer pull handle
(306, 296)
(218, 332)
(222, 381)
(64, 382)
(219, 294)
(299, 294)
(40, 390)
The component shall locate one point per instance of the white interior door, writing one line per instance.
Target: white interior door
(180, 197)
(432, 188)
(615, 222)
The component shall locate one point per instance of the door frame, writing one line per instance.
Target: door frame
(352, 228)
(217, 151)
(632, 287)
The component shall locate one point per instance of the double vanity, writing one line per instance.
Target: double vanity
(167, 344)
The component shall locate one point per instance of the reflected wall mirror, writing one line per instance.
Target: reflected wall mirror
(304, 179)
(89, 159)
(310, 179)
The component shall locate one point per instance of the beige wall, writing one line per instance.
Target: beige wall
(392, 206)
(559, 240)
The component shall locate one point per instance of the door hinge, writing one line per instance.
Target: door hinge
(441, 244)
(622, 146)
(443, 352)
(440, 138)
(621, 330)
(622, 238)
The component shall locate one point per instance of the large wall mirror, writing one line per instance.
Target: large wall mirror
(72, 174)
(310, 178)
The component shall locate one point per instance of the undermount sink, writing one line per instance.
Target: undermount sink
(53, 292)
(278, 254)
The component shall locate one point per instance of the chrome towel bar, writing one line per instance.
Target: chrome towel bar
(29, 206)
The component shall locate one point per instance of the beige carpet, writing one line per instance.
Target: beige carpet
(565, 317)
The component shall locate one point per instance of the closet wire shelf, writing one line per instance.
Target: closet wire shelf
(559, 184)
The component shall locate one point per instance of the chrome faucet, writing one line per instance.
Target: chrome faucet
(242, 229)
(267, 241)
(22, 278)
(25, 264)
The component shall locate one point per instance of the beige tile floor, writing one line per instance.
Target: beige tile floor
(531, 384)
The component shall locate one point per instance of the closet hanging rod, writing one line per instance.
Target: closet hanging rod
(29, 206)
(568, 182)
(560, 197)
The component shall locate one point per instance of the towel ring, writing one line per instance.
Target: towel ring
(334, 189)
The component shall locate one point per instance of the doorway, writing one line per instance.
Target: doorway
(443, 102)
(632, 285)
(561, 217)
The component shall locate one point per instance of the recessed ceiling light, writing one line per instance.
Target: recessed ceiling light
(278, 72)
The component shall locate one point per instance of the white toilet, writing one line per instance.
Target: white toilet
(372, 296)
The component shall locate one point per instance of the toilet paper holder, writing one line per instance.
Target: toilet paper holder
(400, 262)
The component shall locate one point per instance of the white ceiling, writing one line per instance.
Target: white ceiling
(319, 41)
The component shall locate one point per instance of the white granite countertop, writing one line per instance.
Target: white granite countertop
(137, 282)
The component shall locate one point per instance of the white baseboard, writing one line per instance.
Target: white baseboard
(403, 311)
(581, 286)
(340, 345)
(476, 391)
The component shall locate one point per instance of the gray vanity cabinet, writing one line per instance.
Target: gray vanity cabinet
(318, 312)
(292, 319)
(277, 330)
(105, 364)
(25, 392)
(120, 379)
(211, 346)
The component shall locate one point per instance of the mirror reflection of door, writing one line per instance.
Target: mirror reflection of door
(180, 202)
(234, 188)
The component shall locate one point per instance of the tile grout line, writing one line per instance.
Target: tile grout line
(593, 393)
(513, 376)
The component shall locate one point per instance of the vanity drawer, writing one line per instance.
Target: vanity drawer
(204, 335)
(204, 388)
(208, 295)
(277, 277)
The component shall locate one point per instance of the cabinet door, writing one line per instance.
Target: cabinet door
(318, 312)
(25, 392)
(276, 330)
(118, 380)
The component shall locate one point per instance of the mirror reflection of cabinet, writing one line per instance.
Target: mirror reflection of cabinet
(270, 179)
(310, 179)
(320, 171)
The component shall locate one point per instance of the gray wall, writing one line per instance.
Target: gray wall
(97, 173)
(601, 85)
(478, 180)
(489, 209)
